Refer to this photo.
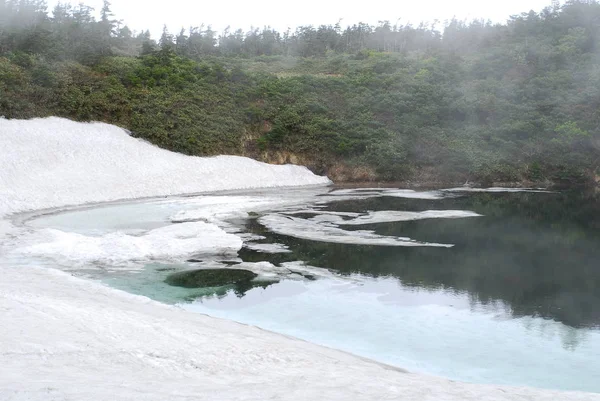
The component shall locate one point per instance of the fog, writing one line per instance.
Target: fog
(141, 15)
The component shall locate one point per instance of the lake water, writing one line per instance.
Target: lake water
(486, 287)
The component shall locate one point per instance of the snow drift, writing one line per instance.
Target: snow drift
(55, 162)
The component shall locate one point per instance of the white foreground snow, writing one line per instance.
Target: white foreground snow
(64, 338)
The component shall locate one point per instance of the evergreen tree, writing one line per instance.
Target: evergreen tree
(148, 46)
(166, 43)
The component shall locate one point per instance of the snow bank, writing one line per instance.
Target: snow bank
(55, 162)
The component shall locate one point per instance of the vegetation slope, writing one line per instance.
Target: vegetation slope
(511, 102)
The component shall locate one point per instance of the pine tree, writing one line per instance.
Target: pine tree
(148, 45)
(166, 41)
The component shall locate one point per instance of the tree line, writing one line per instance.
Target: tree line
(72, 32)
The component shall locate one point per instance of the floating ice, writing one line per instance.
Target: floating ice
(267, 248)
(269, 271)
(215, 209)
(55, 162)
(388, 216)
(322, 212)
(496, 189)
(365, 193)
(310, 230)
(410, 194)
(166, 243)
(305, 270)
(350, 192)
(324, 225)
(251, 236)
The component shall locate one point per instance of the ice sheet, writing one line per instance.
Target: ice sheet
(365, 193)
(389, 216)
(268, 270)
(311, 230)
(496, 189)
(267, 248)
(166, 243)
(219, 208)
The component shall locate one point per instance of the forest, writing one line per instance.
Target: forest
(511, 103)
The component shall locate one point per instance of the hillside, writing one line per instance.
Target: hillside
(481, 102)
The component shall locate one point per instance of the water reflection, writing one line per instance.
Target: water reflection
(438, 331)
(538, 253)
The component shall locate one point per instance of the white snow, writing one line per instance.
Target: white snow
(64, 338)
(165, 243)
(314, 231)
(54, 162)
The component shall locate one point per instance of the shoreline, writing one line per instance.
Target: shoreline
(21, 219)
(121, 335)
(123, 302)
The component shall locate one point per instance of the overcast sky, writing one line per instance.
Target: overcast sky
(148, 14)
